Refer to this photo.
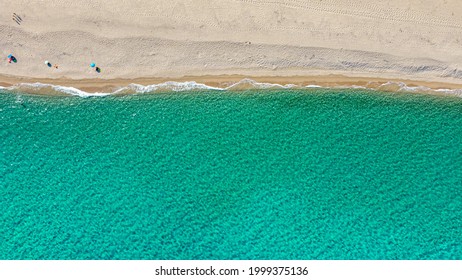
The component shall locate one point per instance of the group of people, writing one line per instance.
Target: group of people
(12, 58)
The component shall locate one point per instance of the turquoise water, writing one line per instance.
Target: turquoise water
(286, 174)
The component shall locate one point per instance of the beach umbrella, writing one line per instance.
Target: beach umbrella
(46, 62)
(10, 56)
(92, 65)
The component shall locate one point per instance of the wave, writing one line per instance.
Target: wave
(403, 87)
(48, 89)
(244, 84)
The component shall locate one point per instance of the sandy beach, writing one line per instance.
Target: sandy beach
(328, 42)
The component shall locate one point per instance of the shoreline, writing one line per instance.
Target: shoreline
(324, 43)
(234, 82)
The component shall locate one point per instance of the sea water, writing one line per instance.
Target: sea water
(256, 174)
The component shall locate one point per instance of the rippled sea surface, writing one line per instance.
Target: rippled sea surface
(260, 174)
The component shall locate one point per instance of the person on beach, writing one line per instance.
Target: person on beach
(97, 69)
(11, 58)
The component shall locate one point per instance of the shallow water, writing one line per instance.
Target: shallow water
(260, 174)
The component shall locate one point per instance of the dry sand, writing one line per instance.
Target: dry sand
(218, 41)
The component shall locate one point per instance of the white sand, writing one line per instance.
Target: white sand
(419, 40)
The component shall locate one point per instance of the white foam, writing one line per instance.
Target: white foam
(166, 86)
(249, 83)
(78, 92)
(39, 87)
(243, 84)
(403, 87)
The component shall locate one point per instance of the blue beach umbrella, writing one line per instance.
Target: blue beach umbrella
(92, 64)
(10, 56)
